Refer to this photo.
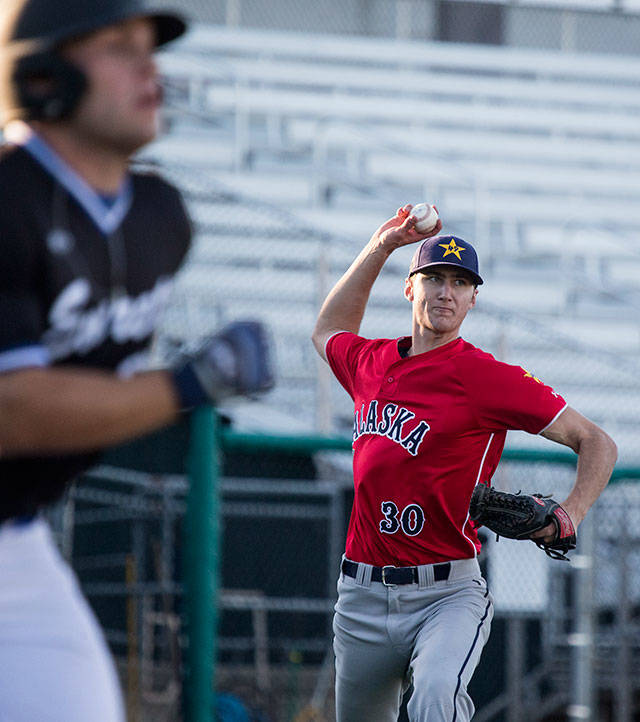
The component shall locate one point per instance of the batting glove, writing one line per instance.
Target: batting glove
(236, 361)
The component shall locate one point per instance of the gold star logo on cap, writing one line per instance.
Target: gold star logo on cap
(451, 247)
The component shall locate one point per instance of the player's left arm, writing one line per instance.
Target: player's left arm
(597, 454)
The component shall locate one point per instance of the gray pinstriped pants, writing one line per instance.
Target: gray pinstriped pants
(430, 633)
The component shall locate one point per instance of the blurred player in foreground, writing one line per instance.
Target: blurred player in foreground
(431, 416)
(89, 250)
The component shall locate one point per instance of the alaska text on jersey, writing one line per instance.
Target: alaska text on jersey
(390, 422)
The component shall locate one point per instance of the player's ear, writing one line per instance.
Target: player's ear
(473, 298)
(408, 288)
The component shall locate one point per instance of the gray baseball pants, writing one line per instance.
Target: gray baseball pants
(430, 633)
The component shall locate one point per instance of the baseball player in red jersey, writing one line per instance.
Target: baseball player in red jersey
(431, 416)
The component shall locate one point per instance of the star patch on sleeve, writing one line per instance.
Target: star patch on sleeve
(529, 375)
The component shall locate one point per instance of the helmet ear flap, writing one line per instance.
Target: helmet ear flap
(45, 87)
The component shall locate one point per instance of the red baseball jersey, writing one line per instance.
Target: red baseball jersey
(427, 429)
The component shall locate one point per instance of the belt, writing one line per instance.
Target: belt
(390, 576)
(18, 520)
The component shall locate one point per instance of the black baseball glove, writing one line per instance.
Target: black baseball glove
(518, 516)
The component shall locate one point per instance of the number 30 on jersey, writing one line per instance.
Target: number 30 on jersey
(410, 520)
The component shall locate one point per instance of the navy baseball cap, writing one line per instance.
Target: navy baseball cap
(446, 251)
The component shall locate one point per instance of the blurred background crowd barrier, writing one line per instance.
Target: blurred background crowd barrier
(294, 129)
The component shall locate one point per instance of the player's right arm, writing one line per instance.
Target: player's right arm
(67, 409)
(344, 307)
(58, 410)
(45, 409)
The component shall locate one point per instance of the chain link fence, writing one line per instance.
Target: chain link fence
(606, 26)
(601, 26)
(258, 259)
(282, 538)
(254, 259)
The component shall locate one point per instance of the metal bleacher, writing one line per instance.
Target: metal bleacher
(291, 148)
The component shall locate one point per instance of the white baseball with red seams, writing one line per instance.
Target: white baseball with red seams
(426, 217)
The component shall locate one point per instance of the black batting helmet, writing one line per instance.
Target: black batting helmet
(36, 82)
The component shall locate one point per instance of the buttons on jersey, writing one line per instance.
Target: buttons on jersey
(389, 385)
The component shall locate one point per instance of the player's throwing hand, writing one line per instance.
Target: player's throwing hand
(400, 230)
